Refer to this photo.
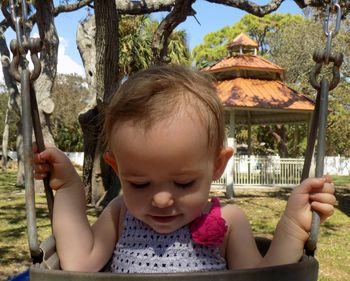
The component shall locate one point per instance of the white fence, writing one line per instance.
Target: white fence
(273, 170)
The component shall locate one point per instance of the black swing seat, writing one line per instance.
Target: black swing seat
(305, 270)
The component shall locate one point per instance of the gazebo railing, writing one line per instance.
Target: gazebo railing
(260, 170)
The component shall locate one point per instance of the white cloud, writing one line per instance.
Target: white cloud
(66, 64)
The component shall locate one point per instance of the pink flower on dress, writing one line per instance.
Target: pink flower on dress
(209, 229)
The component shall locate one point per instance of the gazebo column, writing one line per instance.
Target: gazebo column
(249, 133)
(312, 172)
(249, 142)
(230, 165)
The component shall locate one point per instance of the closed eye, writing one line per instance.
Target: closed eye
(139, 185)
(184, 184)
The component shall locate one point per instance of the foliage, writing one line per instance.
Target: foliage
(292, 47)
(70, 96)
(214, 46)
(263, 141)
(136, 33)
(338, 130)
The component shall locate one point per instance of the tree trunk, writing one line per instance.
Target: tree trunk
(102, 75)
(5, 140)
(107, 62)
(14, 101)
(280, 135)
(48, 57)
(20, 163)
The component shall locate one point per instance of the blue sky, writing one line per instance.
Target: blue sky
(211, 16)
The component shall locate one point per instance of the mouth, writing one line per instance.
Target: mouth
(164, 219)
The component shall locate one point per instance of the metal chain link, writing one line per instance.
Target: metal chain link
(20, 23)
(319, 122)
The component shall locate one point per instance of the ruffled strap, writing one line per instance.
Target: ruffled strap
(209, 229)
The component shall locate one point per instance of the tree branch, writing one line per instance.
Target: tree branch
(8, 19)
(71, 7)
(182, 9)
(251, 7)
(123, 6)
(143, 6)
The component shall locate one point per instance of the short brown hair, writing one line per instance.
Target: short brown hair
(151, 95)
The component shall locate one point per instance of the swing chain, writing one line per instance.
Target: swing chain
(22, 44)
(334, 6)
(30, 114)
(325, 57)
(20, 23)
(319, 121)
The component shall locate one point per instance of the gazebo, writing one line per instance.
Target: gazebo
(253, 93)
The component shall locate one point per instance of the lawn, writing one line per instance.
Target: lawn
(263, 207)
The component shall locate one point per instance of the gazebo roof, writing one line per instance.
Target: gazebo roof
(249, 62)
(258, 93)
(272, 101)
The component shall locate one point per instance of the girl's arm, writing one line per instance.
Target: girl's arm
(293, 229)
(240, 247)
(291, 232)
(79, 246)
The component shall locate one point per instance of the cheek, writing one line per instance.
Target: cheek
(196, 202)
(133, 200)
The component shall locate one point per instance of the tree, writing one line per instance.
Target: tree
(214, 47)
(136, 34)
(292, 48)
(70, 95)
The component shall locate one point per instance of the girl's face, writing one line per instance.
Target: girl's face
(165, 171)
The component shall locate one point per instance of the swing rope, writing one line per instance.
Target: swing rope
(30, 117)
(319, 120)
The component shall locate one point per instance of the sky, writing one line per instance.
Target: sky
(211, 17)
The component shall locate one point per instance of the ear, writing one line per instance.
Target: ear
(221, 161)
(110, 160)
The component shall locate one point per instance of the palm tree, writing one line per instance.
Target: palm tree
(136, 34)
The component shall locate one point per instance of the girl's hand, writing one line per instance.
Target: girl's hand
(312, 194)
(55, 163)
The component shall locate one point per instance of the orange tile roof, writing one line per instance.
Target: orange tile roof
(244, 62)
(256, 93)
(242, 40)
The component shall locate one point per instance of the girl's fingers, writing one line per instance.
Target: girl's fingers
(327, 198)
(325, 210)
(313, 185)
(41, 168)
(326, 188)
(39, 176)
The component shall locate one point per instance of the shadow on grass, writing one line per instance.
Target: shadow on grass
(343, 197)
(342, 194)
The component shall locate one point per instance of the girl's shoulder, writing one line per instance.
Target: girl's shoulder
(118, 211)
(232, 214)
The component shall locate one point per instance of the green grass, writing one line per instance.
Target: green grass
(341, 181)
(263, 208)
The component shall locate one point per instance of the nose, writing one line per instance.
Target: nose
(162, 199)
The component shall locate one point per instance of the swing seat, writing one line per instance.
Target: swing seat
(305, 270)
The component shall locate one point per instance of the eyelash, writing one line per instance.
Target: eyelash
(137, 185)
(184, 185)
(181, 185)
